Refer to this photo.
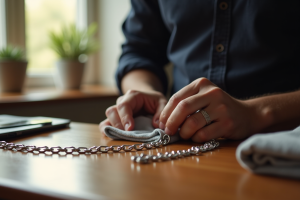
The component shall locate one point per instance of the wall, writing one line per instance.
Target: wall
(111, 15)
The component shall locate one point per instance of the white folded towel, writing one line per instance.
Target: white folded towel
(273, 154)
(143, 132)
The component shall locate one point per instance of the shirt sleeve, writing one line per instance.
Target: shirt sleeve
(146, 41)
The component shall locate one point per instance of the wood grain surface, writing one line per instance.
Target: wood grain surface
(211, 175)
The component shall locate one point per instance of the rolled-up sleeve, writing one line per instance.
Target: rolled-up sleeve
(146, 41)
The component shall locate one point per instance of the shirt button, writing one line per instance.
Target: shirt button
(220, 48)
(223, 5)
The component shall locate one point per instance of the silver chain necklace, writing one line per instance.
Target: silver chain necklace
(142, 158)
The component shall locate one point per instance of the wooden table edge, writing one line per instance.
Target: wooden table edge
(10, 189)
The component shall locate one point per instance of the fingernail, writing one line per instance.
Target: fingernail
(126, 126)
(156, 121)
(168, 132)
(161, 126)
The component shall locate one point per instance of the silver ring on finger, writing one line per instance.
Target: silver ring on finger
(206, 117)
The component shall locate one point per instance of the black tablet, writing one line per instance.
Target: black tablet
(12, 126)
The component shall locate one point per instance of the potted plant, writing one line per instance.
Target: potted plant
(73, 46)
(13, 66)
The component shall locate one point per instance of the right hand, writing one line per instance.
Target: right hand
(131, 104)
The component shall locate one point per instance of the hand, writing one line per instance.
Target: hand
(132, 103)
(231, 118)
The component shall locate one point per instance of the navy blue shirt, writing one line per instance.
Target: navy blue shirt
(247, 48)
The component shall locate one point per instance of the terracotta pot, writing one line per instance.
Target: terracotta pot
(12, 75)
(68, 74)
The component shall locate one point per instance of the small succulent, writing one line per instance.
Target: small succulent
(11, 53)
(72, 43)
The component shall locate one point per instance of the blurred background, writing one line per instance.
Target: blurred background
(26, 23)
(40, 17)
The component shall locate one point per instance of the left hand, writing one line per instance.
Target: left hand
(230, 117)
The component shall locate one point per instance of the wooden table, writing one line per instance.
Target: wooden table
(212, 175)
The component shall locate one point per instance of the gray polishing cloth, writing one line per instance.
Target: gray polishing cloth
(143, 132)
(273, 154)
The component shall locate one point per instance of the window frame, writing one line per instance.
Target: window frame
(2, 24)
(13, 19)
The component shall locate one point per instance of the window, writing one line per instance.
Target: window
(107, 13)
(13, 31)
(41, 17)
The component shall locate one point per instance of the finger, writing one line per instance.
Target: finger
(103, 124)
(209, 132)
(126, 106)
(161, 104)
(178, 98)
(194, 123)
(119, 99)
(113, 117)
(185, 108)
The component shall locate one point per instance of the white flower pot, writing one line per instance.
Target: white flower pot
(12, 75)
(68, 74)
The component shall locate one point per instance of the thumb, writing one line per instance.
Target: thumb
(103, 124)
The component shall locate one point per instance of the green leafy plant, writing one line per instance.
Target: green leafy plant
(74, 44)
(11, 53)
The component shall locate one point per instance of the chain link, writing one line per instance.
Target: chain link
(82, 150)
(145, 159)
(142, 158)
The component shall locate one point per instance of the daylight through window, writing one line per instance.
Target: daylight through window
(43, 16)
